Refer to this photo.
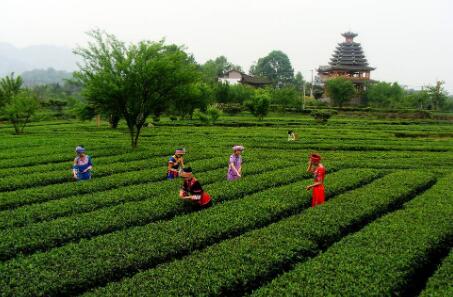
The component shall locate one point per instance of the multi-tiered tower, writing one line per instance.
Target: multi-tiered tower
(348, 61)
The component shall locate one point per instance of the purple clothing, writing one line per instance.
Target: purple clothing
(237, 162)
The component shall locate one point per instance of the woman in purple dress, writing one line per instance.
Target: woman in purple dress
(235, 163)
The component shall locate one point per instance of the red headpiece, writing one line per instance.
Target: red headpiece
(315, 157)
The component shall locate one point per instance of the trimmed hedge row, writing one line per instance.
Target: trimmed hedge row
(441, 283)
(162, 205)
(76, 267)
(383, 259)
(361, 146)
(67, 164)
(241, 263)
(22, 197)
(71, 205)
(54, 158)
(12, 183)
(102, 163)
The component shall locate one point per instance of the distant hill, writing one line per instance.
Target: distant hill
(45, 76)
(19, 60)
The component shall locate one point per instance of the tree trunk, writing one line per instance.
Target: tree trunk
(137, 135)
(16, 128)
(134, 132)
(98, 120)
(114, 120)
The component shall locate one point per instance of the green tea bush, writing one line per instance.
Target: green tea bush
(241, 263)
(322, 115)
(205, 170)
(77, 267)
(441, 283)
(382, 259)
(163, 204)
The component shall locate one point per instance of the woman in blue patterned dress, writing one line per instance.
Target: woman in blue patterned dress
(175, 164)
(81, 170)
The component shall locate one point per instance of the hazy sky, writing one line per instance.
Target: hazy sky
(409, 41)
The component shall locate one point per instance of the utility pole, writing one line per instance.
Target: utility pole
(311, 89)
(303, 95)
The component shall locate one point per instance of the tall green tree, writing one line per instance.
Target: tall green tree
(133, 81)
(276, 66)
(20, 109)
(417, 99)
(239, 93)
(9, 87)
(384, 94)
(299, 81)
(197, 95)
(287, 96)
(340, 90)
(437, 94)
(213, 69)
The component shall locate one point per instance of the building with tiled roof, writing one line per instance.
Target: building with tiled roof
(349, 61)
(237, 77)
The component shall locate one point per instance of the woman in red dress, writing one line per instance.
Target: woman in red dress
(318, 170)
(192, 191)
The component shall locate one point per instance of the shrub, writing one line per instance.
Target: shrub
(322, 115)
(213, 113)
(230, 108)
(259, 104)
(201, 116)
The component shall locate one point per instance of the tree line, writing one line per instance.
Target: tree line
(142, 81)
(390, 95)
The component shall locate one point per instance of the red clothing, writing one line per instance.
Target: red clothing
(318, 191)
(193, 187)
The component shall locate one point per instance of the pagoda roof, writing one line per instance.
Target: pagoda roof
(349, 34)
(348, 56)
(350, 67)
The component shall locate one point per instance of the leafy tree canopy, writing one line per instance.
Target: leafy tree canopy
(213, 69)
(20, 109)
(340, 90)
(9, 86)
(437, 94)
(384, 94)
(134, 81)
(276, 66)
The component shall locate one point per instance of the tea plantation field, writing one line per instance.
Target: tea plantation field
(385, 230)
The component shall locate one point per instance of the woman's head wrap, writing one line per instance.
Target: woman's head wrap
(180, 151)
(238, 148)
(79, 149)
(315, 158)
(186, 172)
